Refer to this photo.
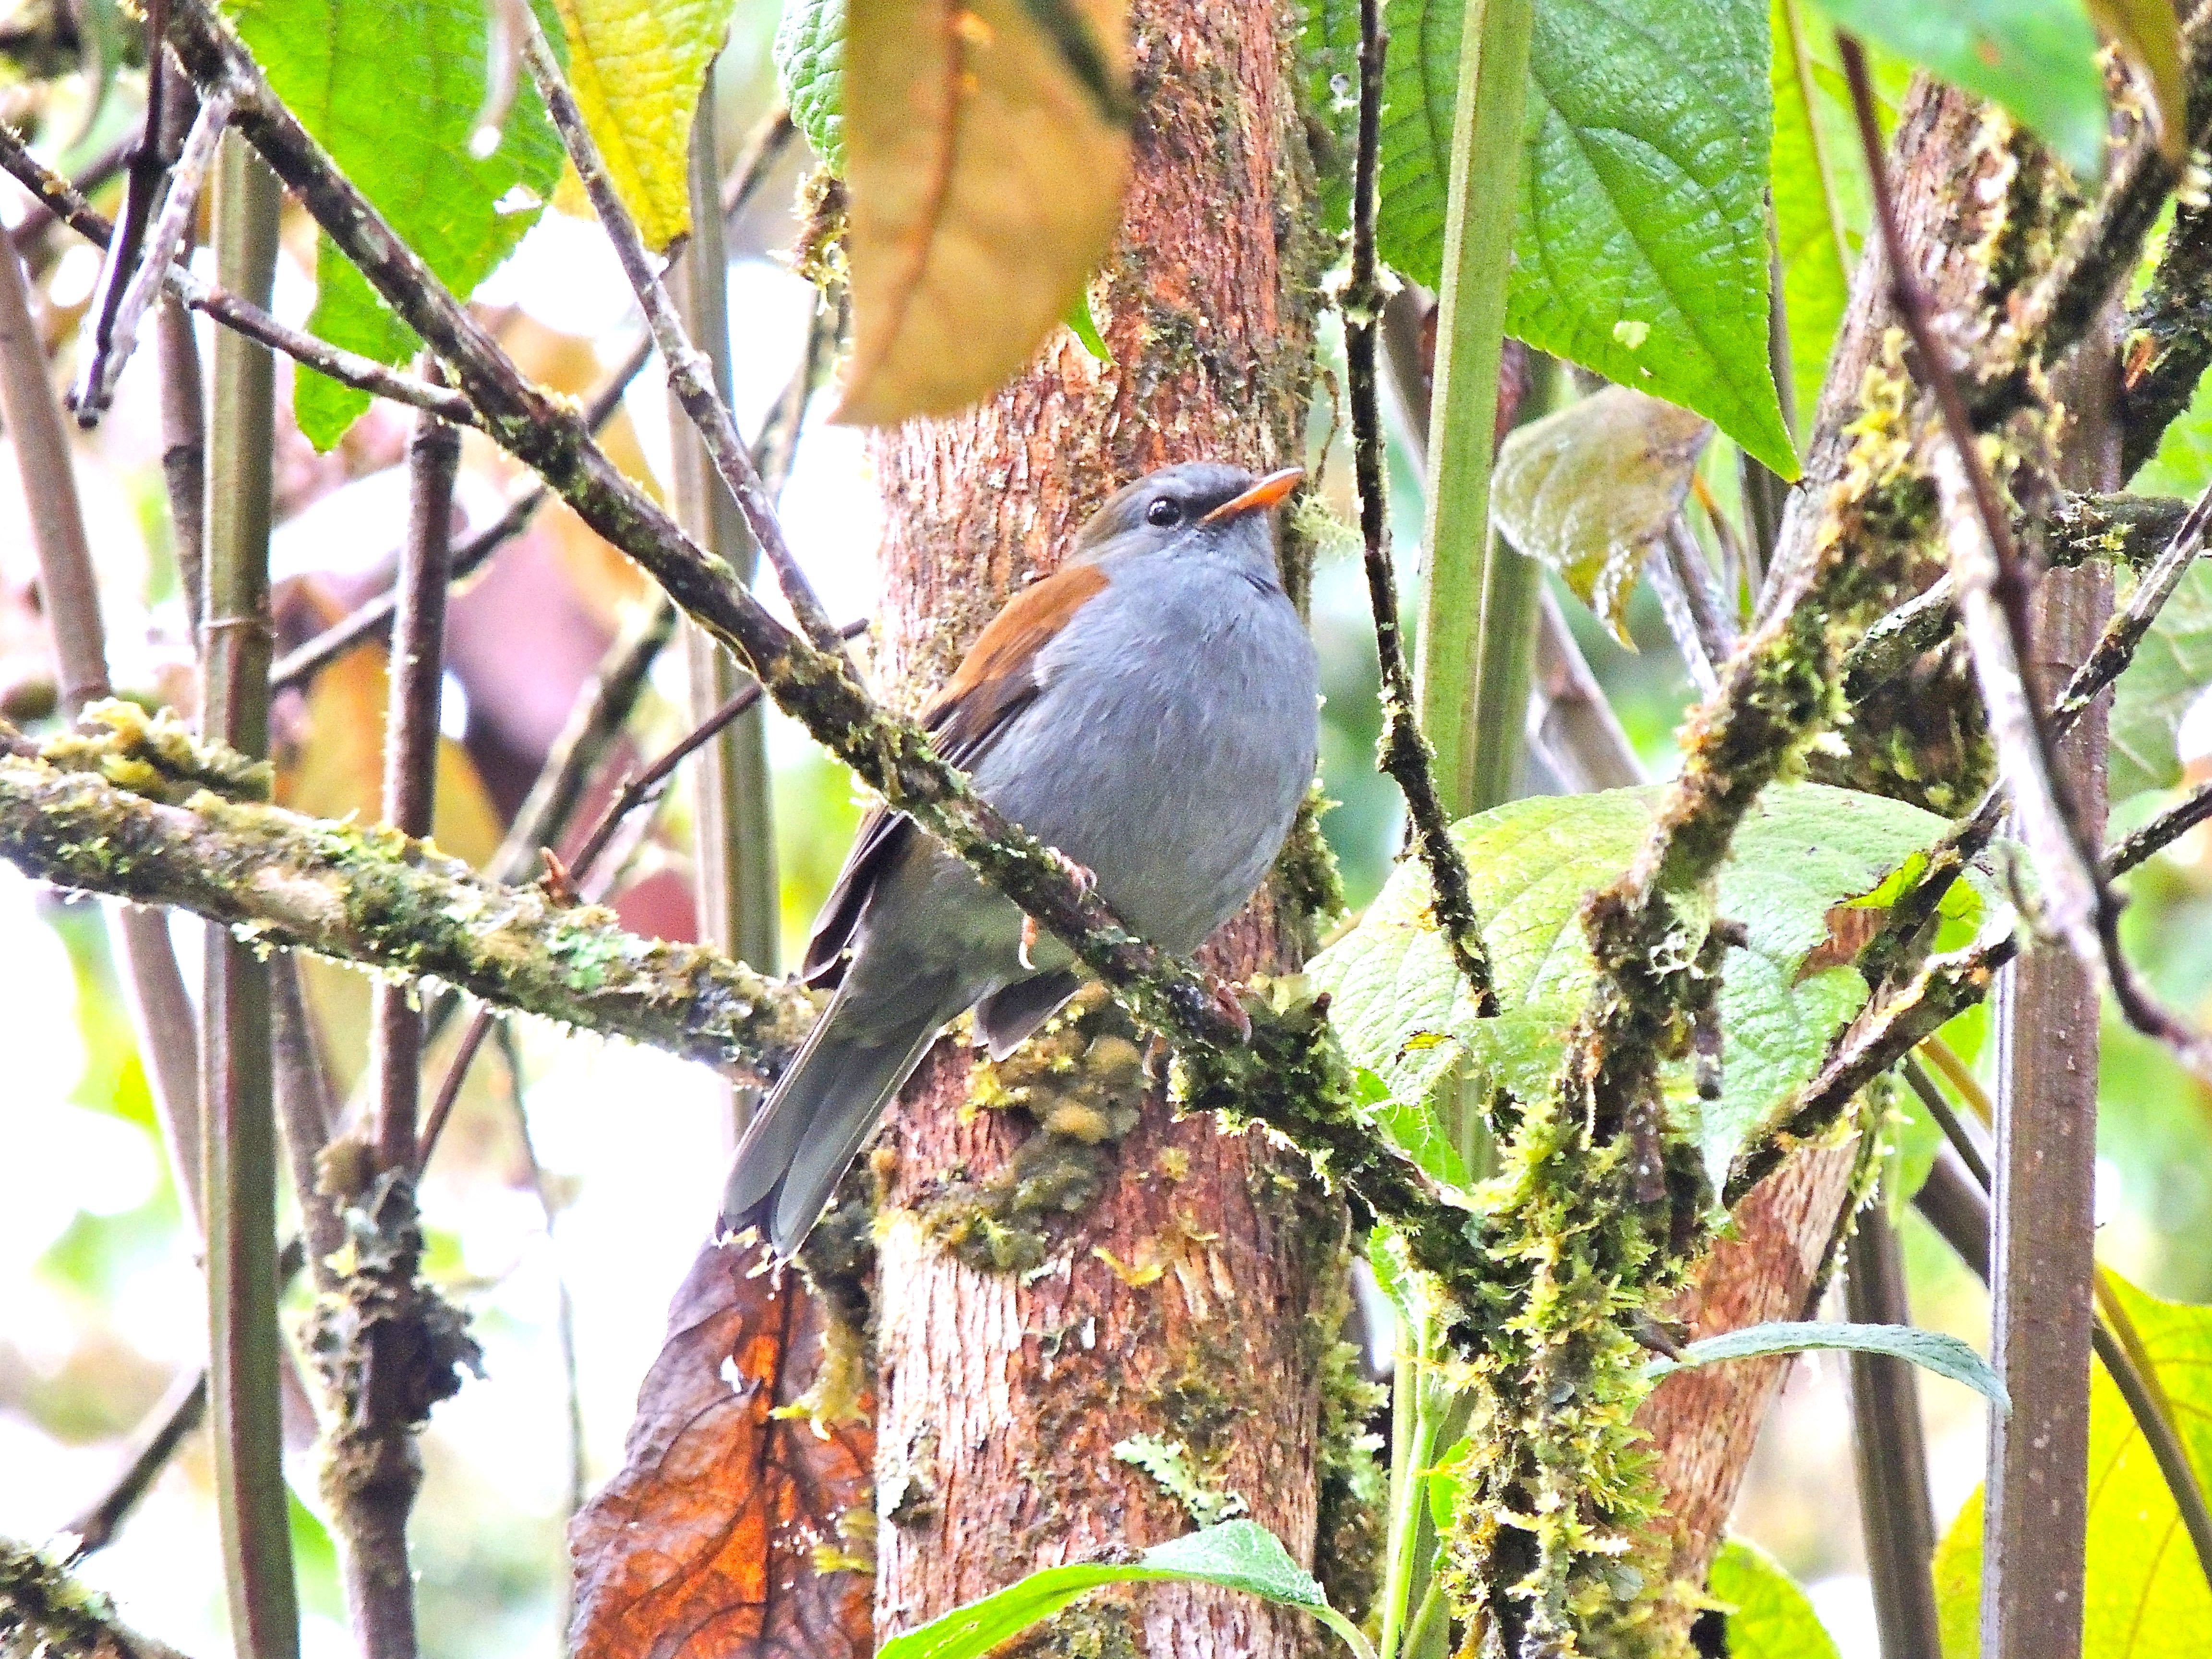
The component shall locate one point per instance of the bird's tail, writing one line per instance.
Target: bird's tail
(798, 1146)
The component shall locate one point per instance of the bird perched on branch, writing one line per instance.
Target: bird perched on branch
(1150, 710)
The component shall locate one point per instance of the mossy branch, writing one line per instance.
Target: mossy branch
(44, 1611)
(113, 816)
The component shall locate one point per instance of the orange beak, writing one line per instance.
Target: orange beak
(1265, 494)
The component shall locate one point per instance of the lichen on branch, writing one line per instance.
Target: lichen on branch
(105, 810)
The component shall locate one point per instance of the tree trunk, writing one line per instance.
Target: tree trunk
(1966, 217)
(1172, 1281)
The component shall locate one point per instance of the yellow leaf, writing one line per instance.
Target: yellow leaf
(2150, 39)
(987, 151)
(636, 67)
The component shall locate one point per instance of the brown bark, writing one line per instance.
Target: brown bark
(1705, 1422)
(1193, 1299)
(2037, 1514)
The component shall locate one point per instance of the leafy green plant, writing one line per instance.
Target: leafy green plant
(1239, 1555)
(395, 93)
(1641, 249)
(1806, 851)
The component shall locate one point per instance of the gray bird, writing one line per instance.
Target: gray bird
(1150, 710)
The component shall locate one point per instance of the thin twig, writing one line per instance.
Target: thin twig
(1890, 1449)
(1663, 575)
(410, 752)
(184, 451)
(1404, 752)
(1954, 1127)
(372, 619)
(69, 587)
(1710, 609)
(690, 375)
(1986, 570)
(603, 707)
(578, 874)
(141, 183)
(2168, 827)
(110, 339)
(97, 175)
(2125, 631)
(179, 1413)
(234, 312)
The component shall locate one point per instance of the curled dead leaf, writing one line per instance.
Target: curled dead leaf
(987, 150)
(737, 1528)
(1591, 489)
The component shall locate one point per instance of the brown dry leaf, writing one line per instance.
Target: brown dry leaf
(1852, 928)
(987, 150)
(1591, 490)
(720, 1537)
(2149, 37)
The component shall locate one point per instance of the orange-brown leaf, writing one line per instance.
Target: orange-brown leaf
(986, 148)
(720, 1537)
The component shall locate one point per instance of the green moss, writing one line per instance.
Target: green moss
(1080, 1080)
(1306, 871)
(1102, 1625)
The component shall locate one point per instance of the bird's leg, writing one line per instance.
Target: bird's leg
(1225, 998)
(1086, 882)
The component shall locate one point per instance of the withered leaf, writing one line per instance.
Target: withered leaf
(1590, 490)
(987, 151)
(720, 1537)
(1852, 928)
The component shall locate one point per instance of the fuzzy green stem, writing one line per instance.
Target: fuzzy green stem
(238, 1108)
(1479, 606)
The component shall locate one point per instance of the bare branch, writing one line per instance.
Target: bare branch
(109, 340)
(241, 316)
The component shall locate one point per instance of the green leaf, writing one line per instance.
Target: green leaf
(394, 90)
(1085, 327)
(2170, 669)
(2146, 1597)
(1403, 1012)
(1817, 192)
(1235, 1555)
(636, 67)
(1931, 1351)
(1641, 250)
(1773, 1619)
(2036, 57)
(810, 65)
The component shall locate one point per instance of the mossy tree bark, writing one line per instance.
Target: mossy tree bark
(1170, 1280)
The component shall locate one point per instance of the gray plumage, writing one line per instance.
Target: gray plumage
(1161, 733)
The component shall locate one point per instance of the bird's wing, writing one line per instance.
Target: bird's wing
(996, 680)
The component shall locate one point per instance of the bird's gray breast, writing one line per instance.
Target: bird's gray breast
(1171, 745)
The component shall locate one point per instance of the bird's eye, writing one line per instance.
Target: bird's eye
(1163, 511)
